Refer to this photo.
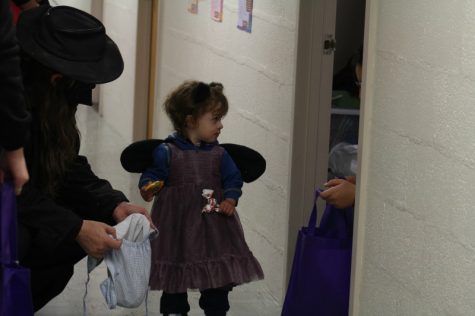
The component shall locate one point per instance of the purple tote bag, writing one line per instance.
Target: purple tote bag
(319, 283)
(15, 293)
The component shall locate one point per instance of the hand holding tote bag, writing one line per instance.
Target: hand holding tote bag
(15, 293)
(319, 283)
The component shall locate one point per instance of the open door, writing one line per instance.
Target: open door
(330, 35)
(311, 133)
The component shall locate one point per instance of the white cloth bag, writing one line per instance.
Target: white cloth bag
(128, 268)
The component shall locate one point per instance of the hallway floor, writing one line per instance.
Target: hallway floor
(103, 145)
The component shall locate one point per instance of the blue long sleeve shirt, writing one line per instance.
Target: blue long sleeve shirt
(230, 174)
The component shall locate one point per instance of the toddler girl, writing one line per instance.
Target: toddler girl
(197, 185)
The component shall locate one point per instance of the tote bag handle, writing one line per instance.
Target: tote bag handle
(312, 221)
(334, 222)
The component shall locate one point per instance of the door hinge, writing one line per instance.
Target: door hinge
(329, 45)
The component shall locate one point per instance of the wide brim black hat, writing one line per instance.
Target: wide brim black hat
(71, 42)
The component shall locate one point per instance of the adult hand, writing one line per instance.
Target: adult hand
(13, 163)
(124, 209)
(340, 193)
(227, 207)
(94, 238)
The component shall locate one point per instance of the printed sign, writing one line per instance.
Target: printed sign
(245, 15)
(193, 6)
(217, 10)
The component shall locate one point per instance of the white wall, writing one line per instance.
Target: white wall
(117, 97)
(419, 168)
(84, 5)
(257, 71)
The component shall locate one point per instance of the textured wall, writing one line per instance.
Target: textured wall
(420, 238)
(117, 97)
(257, 71)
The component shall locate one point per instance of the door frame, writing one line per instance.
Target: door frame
(154, 31)
(366, 110)
(145, 70)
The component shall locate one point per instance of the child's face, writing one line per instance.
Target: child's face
(207, 128)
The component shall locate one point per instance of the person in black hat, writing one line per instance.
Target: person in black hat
(64, 212)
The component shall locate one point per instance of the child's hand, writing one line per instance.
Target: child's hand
(146, 195)
(150, 189)
(227, 207)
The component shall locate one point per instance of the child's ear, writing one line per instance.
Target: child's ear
(190, 121)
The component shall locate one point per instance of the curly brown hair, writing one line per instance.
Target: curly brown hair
(194, 98)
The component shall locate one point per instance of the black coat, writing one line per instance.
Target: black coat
(47, 223)
(53, 222)
(13, 115)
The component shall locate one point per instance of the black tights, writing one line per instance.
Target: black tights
(214, 302)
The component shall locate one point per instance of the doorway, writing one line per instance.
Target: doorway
(329, 34)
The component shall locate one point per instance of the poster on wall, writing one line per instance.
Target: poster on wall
(193, 6)
(245, 15)
(217, 10)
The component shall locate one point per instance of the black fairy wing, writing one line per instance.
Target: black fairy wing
(250, 162)
(137, 157)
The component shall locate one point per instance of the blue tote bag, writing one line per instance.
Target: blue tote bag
(15, 293)
(319, 283)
